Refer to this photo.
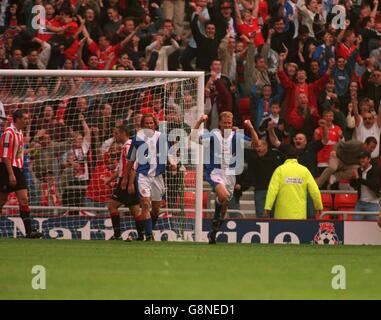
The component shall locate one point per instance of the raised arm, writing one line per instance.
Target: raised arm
(254, 137)
(374, 11)
(82, 64)
(128, 38)
(356, 114)
(255, 9)
(325, 137)
(198, 36)
(238, 17)
(273, 137)
(86, 129)
(173, 47)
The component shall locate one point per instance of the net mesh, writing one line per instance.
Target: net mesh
(70, 147)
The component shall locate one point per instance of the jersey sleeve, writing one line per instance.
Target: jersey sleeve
(7, 145)
(131, 155)
(205, 138)
(247, 142)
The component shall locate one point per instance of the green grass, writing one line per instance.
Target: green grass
(120, 270)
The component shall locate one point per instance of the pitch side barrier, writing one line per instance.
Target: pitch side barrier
(237, 230)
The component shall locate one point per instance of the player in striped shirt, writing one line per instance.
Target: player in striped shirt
(150, 149)
(121, 196)
(223, 160)
(11, 168)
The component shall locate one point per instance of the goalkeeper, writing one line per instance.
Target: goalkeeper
(220, 171)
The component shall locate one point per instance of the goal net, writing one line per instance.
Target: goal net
(71, 148)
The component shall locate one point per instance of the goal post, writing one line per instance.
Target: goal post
(58, 102)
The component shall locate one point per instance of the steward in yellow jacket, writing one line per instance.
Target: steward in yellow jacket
(289, 184)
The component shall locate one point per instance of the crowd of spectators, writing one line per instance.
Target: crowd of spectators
(300, 74)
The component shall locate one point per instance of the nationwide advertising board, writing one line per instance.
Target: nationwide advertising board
(175, 229)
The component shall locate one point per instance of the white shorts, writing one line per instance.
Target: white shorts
(219, 176)
(151, 187)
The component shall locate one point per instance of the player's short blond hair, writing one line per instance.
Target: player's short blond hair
(225, 114)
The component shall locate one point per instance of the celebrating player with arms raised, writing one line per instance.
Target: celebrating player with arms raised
(223, 146)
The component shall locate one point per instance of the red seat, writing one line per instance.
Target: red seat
(326, 198)
(190, 179)
(190, 199)
(345, 202)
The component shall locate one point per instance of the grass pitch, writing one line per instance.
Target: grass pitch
(164, 270)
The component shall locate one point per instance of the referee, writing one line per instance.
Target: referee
(11, 168)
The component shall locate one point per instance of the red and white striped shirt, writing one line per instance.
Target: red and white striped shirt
(11, 146)
(123, 158)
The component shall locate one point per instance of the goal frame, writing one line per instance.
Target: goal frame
(199, 75)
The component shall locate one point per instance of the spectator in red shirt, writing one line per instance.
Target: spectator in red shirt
(293, 90)
(69, 29)
(334, 135)
(99, 189)
(346, 47)
(107, 53)
(248, 24)
(50, 20)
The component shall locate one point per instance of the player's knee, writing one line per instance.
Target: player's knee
(145, 204)
(111, 207)
(113, 210)
(224, 198)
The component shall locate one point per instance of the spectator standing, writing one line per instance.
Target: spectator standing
(175, 10)
(368, 125)
(334, 135)
(367, 183)
(262, 163)
(207, 45)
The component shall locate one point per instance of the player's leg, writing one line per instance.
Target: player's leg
(113, 207)
(3, 200)
(221, 206)
(157, 193)
(145, 205)
(155, 212)
(144, 188)
(22, 198)
(4, 186)
(333, 166)
(138, 217)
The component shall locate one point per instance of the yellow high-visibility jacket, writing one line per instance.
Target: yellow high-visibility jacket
(289, 184)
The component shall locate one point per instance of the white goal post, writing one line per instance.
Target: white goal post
(35, 89)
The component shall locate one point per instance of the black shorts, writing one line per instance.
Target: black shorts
(124, 197)
(4, 179)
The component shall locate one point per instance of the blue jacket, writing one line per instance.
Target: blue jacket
(257, 107)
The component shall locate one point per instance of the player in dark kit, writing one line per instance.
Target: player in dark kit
(122, 195)
(11, 168)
